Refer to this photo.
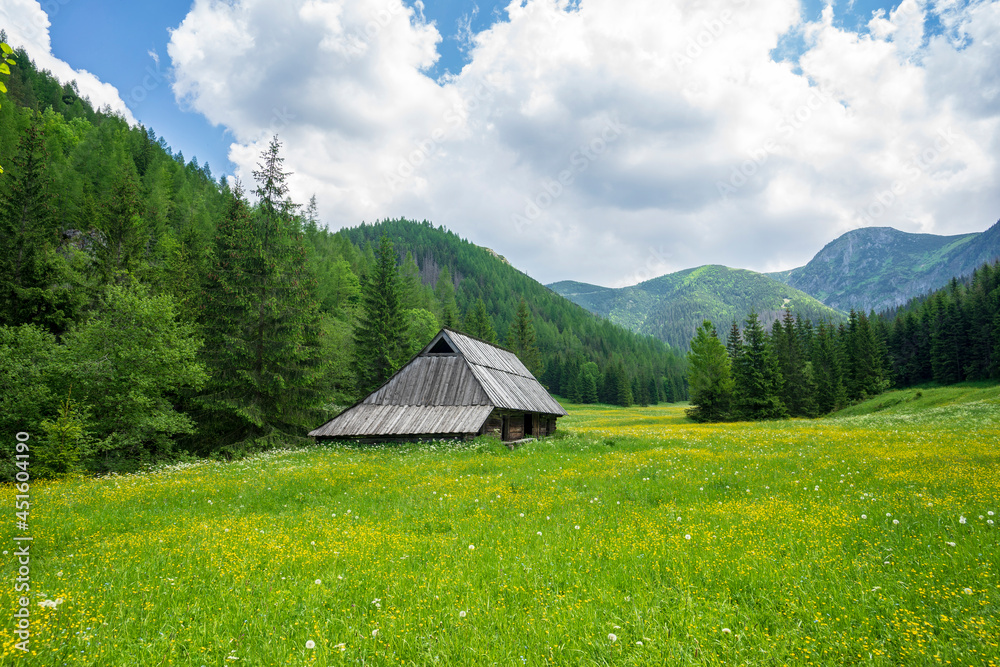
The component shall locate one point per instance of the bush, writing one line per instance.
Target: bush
(66, 441)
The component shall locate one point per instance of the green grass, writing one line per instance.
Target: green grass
(658, 531)
(919, 400)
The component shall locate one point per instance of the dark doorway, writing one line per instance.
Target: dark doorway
(505, 428)
(529, 425)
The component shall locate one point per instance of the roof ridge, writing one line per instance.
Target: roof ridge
(476, 338)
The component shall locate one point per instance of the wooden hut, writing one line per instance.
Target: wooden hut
(456, 387)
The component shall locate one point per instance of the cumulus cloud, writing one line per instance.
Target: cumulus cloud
(612, 144)
(27, 26)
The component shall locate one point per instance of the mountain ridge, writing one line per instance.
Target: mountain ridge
(877, 268)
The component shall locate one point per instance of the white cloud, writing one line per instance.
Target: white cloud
(27, 26)
(610, 142)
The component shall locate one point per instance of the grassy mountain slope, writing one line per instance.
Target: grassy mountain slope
(880, 267)
(929, 404)
(671, 307)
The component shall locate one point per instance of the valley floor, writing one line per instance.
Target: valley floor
(633, 538)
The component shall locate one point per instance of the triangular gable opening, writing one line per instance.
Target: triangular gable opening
(442, 347)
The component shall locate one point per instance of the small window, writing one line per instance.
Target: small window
(441, 347)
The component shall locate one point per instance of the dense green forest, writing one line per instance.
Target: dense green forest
(629, 367)
(951, 335)
(798, 369)
(150, 311)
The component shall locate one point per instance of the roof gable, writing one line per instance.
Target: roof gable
(506, 380)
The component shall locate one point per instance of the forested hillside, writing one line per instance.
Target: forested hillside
(148, 309)
(568, 336)
(671, 307)
(948, 336)
(801, 369)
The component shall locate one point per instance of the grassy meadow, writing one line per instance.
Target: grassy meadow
(632, 538)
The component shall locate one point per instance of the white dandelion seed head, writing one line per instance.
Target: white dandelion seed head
(472, 547)
(310, 644)
(687, 537)
(319, 581)
(864, 516)
(895, 522)
(461, 614)
(990, 513)
(375, 632)
(727, 631)
(539, 533)
(612, 637)
(950, 544)
(576, 527)
(961, 519)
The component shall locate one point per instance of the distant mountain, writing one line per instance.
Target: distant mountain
(880, 267)
(672, 306)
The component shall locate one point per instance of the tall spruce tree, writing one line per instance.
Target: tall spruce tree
(798, 392)
(122, 234)
(710, 381)
(478, 323)
(36, 283)
(827, 358)
(444, 292)
(867, 364)
(734, 343)
(589, 377)
(521, 339)
(261, 319)
(757, 376)
(411, 290)
(379, 338)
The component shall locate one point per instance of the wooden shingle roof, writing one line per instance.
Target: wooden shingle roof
(449, 388)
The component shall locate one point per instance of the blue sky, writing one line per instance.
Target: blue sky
(113, 39)
(591, 140)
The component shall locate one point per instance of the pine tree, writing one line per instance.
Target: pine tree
(831, 394)
(709, 376)
(617, 388)
(380, 335)
(734, 343)
(261, 319)
(410, 288)
(444, 292)
(122, 234)
(521, 339)
(36, 283)
(478, 323)
(867, 365)
(590, 376)
(757, 376)
(311, 216)
(798, 386)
